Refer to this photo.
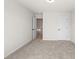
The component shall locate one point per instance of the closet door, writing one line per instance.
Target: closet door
(63, 28)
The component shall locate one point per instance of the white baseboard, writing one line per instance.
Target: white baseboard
(17, 48)
(60, 39)
(56, 39)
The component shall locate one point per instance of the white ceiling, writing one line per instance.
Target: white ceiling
(42, 5)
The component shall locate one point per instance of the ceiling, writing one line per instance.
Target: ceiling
(39, 6)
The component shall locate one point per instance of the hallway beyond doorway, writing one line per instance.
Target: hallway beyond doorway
(39, 25)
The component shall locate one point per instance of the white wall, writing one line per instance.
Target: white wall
(18, 26)
(54, 21)
(38, 15)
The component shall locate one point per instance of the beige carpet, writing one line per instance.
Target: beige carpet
(39, 49)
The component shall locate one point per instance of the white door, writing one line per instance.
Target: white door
(34, 28)
(64, 28)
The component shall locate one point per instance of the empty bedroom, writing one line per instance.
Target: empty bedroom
(39, 29)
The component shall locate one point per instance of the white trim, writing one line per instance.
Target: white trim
(56, 39)
(17, 48)
(59, 39)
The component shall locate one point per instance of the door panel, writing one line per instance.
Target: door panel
(34, 28)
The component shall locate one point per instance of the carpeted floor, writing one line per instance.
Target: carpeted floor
(41, 49)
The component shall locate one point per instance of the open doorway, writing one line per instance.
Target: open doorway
(39, 26)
